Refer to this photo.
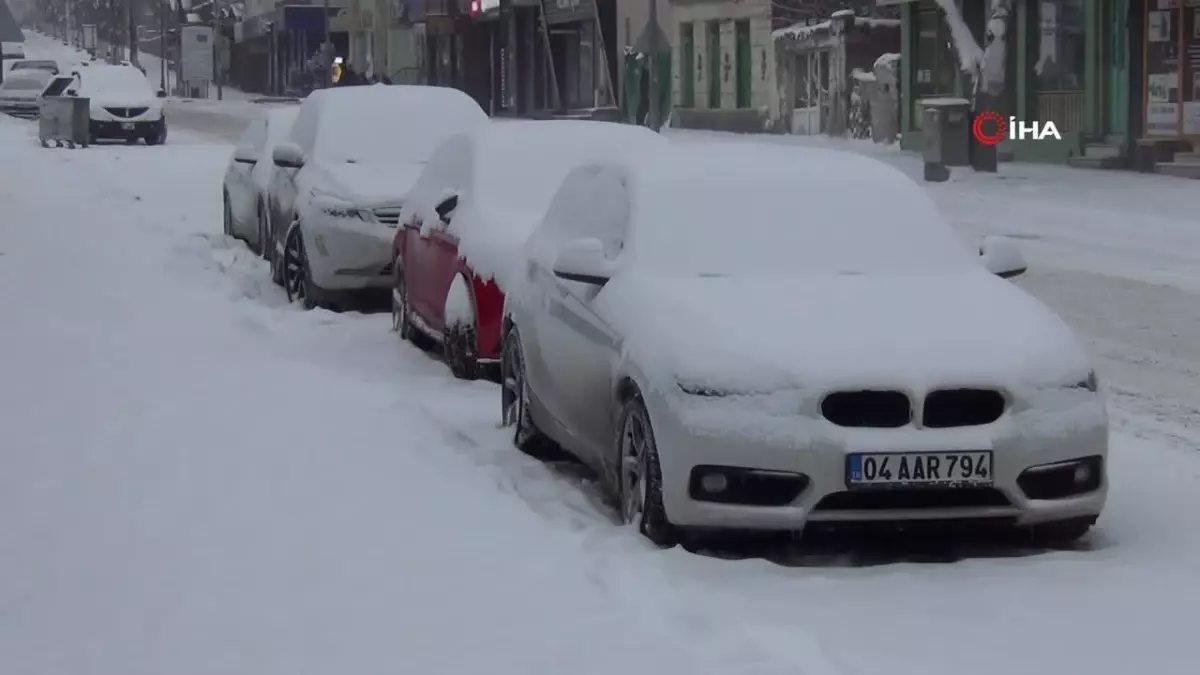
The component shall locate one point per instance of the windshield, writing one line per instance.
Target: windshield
(768, 223)
(114, 79)
(371, 127)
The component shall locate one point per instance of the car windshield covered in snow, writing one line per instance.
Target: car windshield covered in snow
(386, 125)
(114, 79)
(757, 209)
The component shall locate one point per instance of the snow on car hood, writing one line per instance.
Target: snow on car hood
(913, 332)
(369, 184)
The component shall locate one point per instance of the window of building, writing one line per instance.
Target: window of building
(934, 56)
(1059, 47)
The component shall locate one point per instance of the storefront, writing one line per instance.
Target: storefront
(1060, 66)
(577, 51)
(1171, 92)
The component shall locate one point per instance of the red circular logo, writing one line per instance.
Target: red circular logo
(990, 128)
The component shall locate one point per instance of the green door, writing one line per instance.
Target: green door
(713, 29)
(742, 56)
(687, 67)
(1115, 67)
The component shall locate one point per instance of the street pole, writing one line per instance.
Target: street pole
(327, 49)
(131, 8)
(162, 45)
(216, 12)
(655, 103)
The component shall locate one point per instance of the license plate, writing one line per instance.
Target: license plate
(939, 469)
(128, 126)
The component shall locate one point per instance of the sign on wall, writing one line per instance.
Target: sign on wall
(196, 62)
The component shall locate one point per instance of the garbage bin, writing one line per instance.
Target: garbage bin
(946, 128)
(64, 120)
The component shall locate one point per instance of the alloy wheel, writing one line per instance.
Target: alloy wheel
(633, 470)
(512, 387)
(227, 217)
(295, 273)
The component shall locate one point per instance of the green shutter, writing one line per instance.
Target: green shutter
(687, 66)
(743, 64)
(714, 64)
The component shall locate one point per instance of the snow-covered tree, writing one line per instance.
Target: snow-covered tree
(984, 64)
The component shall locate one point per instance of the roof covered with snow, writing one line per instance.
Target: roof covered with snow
(804, 30)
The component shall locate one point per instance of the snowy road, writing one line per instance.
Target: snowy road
(197, 478)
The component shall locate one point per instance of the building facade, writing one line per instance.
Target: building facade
(1115, 76)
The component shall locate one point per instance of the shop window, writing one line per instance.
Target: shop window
(1059, 58)
(934, 56)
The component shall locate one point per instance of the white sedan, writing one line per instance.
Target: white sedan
(21, 92)
(248, 177)
(765, 338)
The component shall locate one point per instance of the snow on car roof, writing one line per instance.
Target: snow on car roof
(517, 167)
(108, 78)
(390, 124)
(748, 208)
(26, 79)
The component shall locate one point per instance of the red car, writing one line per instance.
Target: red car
(470, 193)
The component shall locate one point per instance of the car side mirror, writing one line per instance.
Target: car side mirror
(288, 156)
(161, 94)
(245, 155)
(1002, 257)
(446, 208)
(584, 261)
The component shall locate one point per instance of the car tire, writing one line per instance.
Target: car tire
(275, 258)
(226, 215)
(158, 136)
(514, 402)
(402, 311)
(261, 224)
(297, 280)
(639, 475)
(459, 348)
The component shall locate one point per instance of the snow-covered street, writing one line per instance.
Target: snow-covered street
(199, 478)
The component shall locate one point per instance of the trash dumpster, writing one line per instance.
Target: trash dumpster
(946, 128)
(64, 120)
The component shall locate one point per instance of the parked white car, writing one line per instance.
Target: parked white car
(21, 92)
(349, 160)
(764, 338)
(123, 105)
(248, 177)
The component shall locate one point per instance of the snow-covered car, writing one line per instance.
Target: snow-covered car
(764, 338)
(123, 105)
(49, 65)
(470, 213)
(248, 177)
(21, 92)
(352, 155)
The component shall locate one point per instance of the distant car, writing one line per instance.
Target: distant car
(11, 50)
(349, 160)
(248, 177)
(21, 92)
(742, 338)
(47, 65)
(123, 104)
(445, 290)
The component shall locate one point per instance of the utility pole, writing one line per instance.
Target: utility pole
(131, 8)
(654, 32)
(327, 49)
(216, 26)
(162, 44)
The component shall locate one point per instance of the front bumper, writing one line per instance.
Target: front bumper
(348, 254)
(27, 111)
(818, 451)
(124, 128)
